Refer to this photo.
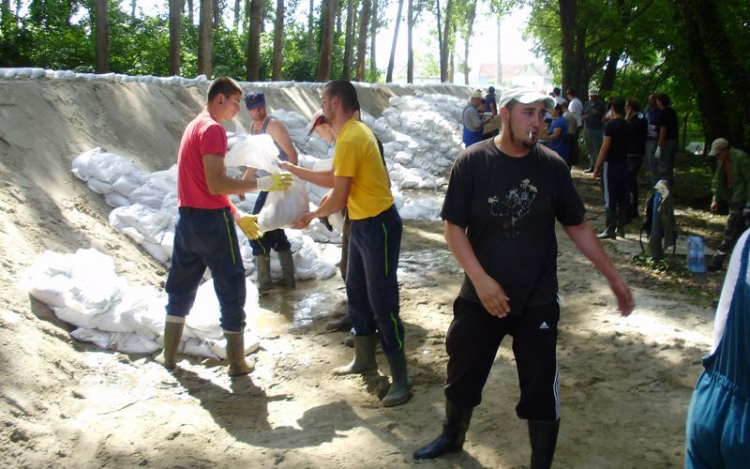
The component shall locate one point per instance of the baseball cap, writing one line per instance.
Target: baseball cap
(525, 95)
(718, 145)
(254, 100)
(593, 92)
(476, 94)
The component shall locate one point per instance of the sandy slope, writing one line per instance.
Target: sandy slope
(626, 383)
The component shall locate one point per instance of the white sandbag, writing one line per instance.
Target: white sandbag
(81, 165)
(255, 151)
(283, 207)
(149, 196)
(148, 222)
(128, 342)
(157, 251)
(100, 187)
(50, 290)
(113, 199)
(127, 183)
(107, 167)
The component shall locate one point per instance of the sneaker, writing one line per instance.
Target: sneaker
(588, 171)
(605, 235)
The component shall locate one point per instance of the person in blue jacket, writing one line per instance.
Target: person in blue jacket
(718, 423)
(472, 120)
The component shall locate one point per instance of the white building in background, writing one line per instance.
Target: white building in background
(531, 75)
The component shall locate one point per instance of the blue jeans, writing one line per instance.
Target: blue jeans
(371, 281)
(207, 238)
(594, 140)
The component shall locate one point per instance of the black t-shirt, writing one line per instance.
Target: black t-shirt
(618, 130)
(638, 133)
(508, 207)
(668, 119)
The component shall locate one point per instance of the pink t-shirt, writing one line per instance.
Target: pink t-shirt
(203, 136)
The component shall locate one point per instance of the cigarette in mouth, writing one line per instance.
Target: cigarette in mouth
(531, 135)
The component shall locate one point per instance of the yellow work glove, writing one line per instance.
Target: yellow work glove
(249, 225)
(275, 182)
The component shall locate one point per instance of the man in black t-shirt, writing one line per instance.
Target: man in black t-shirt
(613, 166)
(503, 198)
(667, 138)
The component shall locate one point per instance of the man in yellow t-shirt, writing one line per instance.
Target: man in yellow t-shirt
(360, 182)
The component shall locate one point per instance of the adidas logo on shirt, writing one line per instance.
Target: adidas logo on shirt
(544, 325)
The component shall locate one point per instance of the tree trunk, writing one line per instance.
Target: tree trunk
(310, 29)
(349, 39)
(410, 45)
(581, 83)
(204, 39)
(470, 17)
(610, 70)
(362, 46)
(278, 40)
(253, 40)
(237, 14)
(133, 5)
(374, 25)
(444, 45)
(102, 36)
(568, 12)
(175, 18)
(190, 9)
(326, 39)
(216, 10)
(392, 59)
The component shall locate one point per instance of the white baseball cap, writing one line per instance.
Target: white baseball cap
(526, 95)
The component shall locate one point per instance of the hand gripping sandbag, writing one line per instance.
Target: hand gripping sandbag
(283, 207)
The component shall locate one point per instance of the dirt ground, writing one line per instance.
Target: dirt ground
(625, 382)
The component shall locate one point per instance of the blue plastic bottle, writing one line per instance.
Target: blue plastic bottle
(696, 254)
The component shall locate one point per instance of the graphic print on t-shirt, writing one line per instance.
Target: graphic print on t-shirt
(511, 208)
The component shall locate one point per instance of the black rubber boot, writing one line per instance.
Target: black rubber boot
(400, 390)
(543, 436)
(611, 222)
(287, 268)
(364, 356)
(716, 262)
(452, 439)
(622, 221)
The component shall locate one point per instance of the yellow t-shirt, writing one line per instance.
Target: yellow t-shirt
(357, 156)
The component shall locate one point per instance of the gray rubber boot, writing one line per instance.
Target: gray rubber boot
(364, 356)
(400, 390)
(287, 268)
(263, 267)
(457, 420)
(344, 323)
(173, 327)
(543, 436)
(236, 354)
(611, 222)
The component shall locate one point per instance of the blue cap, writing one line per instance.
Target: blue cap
(254, 100)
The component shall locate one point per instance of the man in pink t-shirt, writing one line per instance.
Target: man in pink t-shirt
(205, 235)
